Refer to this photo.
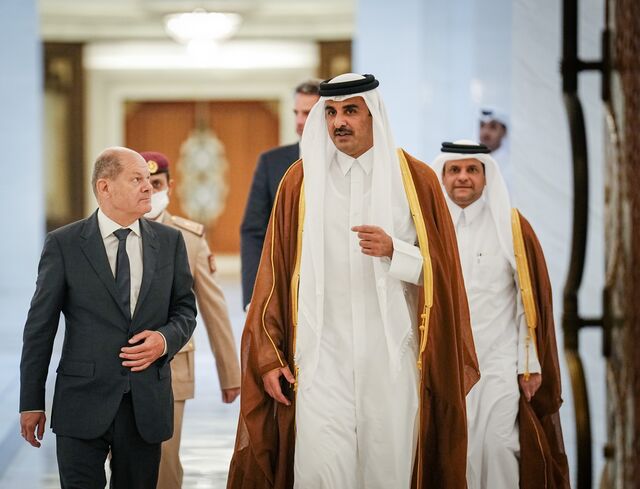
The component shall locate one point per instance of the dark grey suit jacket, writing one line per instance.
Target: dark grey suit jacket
(271, 166)
(74, 278)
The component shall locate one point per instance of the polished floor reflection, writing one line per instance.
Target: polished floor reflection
(210, 425)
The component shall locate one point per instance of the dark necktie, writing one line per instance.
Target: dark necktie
(123, 272)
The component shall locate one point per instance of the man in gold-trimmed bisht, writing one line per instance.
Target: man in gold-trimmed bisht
(515, 438)
(357, 352)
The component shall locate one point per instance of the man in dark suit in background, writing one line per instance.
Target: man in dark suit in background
(271, 167)
(124, 287)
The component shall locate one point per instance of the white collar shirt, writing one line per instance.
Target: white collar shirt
(134, 251)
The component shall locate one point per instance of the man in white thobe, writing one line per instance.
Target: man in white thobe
(493, 127)
(345, 381)
(480, 209)
(363, 434)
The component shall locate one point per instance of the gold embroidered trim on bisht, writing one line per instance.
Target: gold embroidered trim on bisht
(526, 289)
(423, 242)
(427, 279)
(273, 271)
(295, 279)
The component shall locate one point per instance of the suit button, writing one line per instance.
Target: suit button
(124, 372)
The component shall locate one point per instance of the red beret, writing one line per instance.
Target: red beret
(158, 163)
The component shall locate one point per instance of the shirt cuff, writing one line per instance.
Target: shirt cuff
(33, 411)
(406, 263)
(534, 364)
(164, 351)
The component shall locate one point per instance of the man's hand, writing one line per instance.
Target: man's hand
(229, 395)
(531, 386)
(139, 357)
(374, 241)
(29, 422)
(271, 382)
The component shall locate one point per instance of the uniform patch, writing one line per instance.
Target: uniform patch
(191, 226)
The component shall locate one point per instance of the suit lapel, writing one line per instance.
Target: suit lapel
(93, 248)
(149, 259)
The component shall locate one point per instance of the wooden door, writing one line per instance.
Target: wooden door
(245, 129)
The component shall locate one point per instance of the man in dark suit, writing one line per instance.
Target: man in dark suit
(124, 287)
(271, 167)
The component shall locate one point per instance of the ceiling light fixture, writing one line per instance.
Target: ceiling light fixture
(201, 26)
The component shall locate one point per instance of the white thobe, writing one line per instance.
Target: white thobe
(499, 333)
(356, 423)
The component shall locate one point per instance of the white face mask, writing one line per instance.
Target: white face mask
(159, 202)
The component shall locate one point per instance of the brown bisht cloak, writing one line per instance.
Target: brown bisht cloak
(543, 462)
(264, 450)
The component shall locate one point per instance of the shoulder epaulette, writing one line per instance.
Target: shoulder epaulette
(186, 224)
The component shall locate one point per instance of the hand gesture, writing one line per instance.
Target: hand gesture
(374, 241)
(32, 426)
(229, 395)
(531, 386)
(140, 356)
(271, 382)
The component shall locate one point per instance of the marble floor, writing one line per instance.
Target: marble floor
(209, 425)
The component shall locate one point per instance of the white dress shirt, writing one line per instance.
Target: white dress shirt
(134, 250)
(495, 303)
